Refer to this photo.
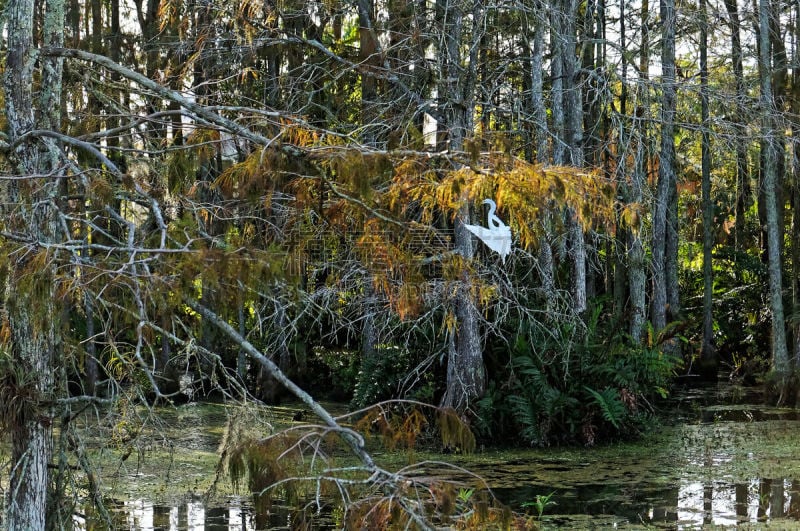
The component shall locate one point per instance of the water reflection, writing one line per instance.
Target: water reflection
(193, 515)
(689, 505)
(693, 504)
(728, 505)
(723, 466)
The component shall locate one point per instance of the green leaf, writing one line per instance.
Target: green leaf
(610, 405)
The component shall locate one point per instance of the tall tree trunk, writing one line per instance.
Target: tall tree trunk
(557, 88)
(369, 60)
(708, 355)
(796, 248)
(780, 355)
(30, 291)
(546, 273)
(540, 145)
(568, 125)
(796, 264)
(671, 252)
(466, 378)
(743, 191)
(779, 70)
(538, 109)
(619, 162)
(368, 57)
(637, 266)
(666, 167)
(795, 200)
(637, 263)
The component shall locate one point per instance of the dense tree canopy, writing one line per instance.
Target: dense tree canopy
(190, 185)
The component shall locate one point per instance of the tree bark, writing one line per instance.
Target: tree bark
(637, 263)
(666, 167)
(568, 128)
(795, 201)
(541, 149)
(466, 378)
(708, 355)
(30, 292)
(780, 355)
(538, 109)
(743, 191)
(637, 266)
(368, 56)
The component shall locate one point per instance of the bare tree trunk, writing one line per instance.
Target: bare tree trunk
(637, 266)
(708, 356)
(539, 111)
(368, 55)
(637, 263)
(466, 378)
(666, 168)
(540, 144)
(796, 252)
(742, 170)
(30, 297)
(241, 356)
(578, 252)
(671, 254)
(780, 355)
(619, 165)
(795, 202)
(558, 90)
(546, 272)
(90, 362)
(568, 125)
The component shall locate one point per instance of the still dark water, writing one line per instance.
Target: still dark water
(719, 460)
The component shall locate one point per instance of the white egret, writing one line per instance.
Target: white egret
(497, 236)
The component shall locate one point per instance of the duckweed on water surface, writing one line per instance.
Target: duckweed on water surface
(720, 466)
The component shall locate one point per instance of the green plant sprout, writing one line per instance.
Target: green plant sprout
(541, 502)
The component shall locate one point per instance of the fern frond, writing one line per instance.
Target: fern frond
(526, 414)
(610, 405)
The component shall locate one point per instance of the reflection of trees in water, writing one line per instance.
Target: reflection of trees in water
(726, 504)
(191, 515)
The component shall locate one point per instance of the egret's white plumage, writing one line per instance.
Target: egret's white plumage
(497, 236)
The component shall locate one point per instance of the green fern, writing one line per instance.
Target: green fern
(526, 413)
(610, 405)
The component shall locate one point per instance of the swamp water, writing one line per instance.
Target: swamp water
(721, 461)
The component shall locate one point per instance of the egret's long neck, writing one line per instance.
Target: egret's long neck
(492, 209)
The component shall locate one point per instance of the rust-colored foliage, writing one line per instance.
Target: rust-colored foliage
(389, 212)
(376, 513)
(490, 515)
(265, 464)
(401, 425)
(281, 466)
(522, 191)
(455, 431)
(437, 503)
(397, 428)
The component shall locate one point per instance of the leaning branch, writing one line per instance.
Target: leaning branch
(354, 440)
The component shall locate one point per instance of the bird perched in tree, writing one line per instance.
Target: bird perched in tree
(497, 236)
